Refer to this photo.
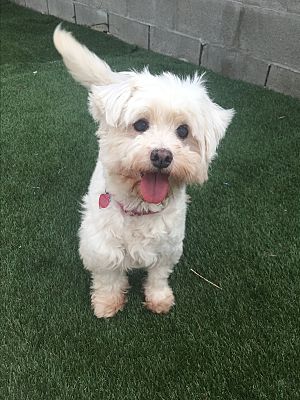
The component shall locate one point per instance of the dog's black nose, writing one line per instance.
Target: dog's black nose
(161, 158)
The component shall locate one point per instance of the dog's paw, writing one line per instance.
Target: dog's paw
(159, 301)
(106, 306)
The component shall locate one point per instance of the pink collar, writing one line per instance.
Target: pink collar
(104, 201)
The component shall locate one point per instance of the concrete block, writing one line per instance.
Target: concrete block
(20, 2)
(284, 80)
(161, 13)
(38, 5)
(214, 21)
(165, 14)
(114, 6)
(175, 44)
(277, 5)
(129, 30)
(62, 9)
(293, 6)
(234, 64)
(89, 16)
(271, 36)
(141, 10)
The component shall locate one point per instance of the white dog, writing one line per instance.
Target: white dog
(158, 133)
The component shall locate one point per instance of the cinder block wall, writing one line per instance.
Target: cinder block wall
(253, 40)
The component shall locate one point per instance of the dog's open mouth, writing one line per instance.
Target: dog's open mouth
(154, 187)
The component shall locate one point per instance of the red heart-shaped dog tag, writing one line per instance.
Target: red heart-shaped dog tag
(104, 200)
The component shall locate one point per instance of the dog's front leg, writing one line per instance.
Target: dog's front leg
(159, 296)
(108, 292)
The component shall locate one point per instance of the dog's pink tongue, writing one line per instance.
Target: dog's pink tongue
(154, 187)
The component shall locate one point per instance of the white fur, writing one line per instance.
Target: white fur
(111, 240)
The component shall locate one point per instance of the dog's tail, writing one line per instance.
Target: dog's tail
(84, 66)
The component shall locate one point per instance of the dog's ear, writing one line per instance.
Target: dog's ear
(83, 65)
(216, 122)
(110, 101)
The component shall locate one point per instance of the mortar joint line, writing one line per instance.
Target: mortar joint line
(202, 45)
(74, 16)
(267, 75)
(148, 43)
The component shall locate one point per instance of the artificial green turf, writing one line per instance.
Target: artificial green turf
(243, 231)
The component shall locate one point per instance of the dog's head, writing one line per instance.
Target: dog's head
(157, 132)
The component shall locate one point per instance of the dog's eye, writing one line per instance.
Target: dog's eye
(182, 131)
(141, 125)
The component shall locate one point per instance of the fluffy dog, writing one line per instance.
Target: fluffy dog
(158, 133)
